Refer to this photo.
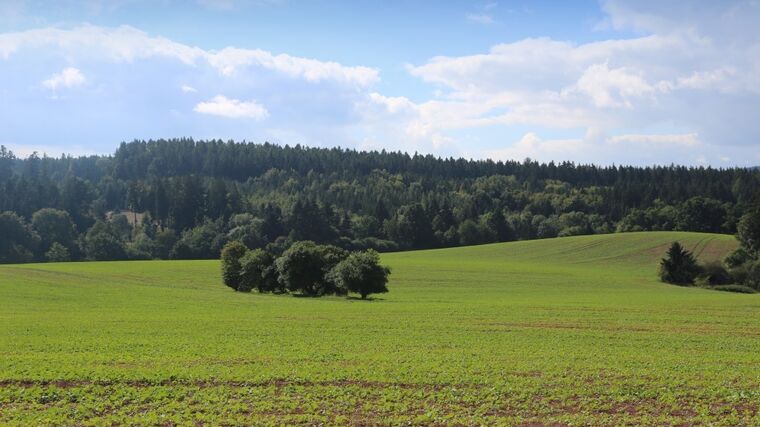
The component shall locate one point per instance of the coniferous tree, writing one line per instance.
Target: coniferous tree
(679, 266)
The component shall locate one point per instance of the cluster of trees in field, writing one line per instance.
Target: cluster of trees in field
(738, 272)
(306, 268)
(185, 199)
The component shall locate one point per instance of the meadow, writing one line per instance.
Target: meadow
(568, 331)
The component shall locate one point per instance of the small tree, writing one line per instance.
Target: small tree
(300, 268)
(679, 266)
(749, 232)
(257, 272)
(231, 255)
(304, 266)
(362, 273)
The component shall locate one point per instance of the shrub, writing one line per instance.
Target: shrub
(736, 258)
(362, 273)
(735, 288)
(679, 266)
(752, 278)
(231, 255)
(714, 274)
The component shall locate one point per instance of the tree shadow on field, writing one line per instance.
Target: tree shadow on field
(306, 296)
(368, 299)
(349, 298)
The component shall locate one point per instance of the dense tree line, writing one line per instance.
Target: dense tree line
(185, 199)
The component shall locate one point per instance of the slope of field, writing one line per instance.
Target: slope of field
(551, 332)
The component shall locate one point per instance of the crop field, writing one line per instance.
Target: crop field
(569, 331)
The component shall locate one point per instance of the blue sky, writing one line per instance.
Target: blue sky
(603, 82)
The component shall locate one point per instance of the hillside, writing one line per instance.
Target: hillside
(569, 330)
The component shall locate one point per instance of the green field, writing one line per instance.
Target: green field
(562, 331)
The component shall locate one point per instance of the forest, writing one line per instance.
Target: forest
(185, 199)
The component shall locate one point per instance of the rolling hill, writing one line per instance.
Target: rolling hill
(561, 331)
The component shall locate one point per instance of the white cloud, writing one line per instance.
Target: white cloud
(691, 75)
(612, 88)
(688, 139)
(68, 77)
(480, 18)
(188, 89)
(127, 44)
(232, 108)
(595, 147)
(229, 60)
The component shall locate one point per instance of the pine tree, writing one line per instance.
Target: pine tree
(679, 266)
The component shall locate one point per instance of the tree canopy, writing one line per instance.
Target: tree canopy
(182, 198)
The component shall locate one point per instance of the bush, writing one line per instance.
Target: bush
(736, 258)
(734, 288)
(714, 274)
(231, 255)
(361, 273)
(752, 278)
(679, 266)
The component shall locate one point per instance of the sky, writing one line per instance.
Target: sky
(606, 82)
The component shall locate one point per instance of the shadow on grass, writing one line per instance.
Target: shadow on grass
(350, 298)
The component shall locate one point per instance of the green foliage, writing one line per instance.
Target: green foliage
(232, 253)
(303, 266)
(54, 226)
(747, 274)
(257, 271)
(268, 196)
(679, 266)
(737, 258)
(57, 253)
(749, 232)
(17, 239)
(741, 289)
(103, 243)
(701, 214)
(361, 273)
(204, 241)
(714, 274)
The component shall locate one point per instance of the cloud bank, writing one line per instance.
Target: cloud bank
(683, 89)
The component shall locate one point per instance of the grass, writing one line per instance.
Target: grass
(573, 331)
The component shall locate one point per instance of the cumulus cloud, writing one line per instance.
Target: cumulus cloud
(232, 108)
(128, 44)
(68, 77)
(682, 72)
(685, 84)
(229, 60)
